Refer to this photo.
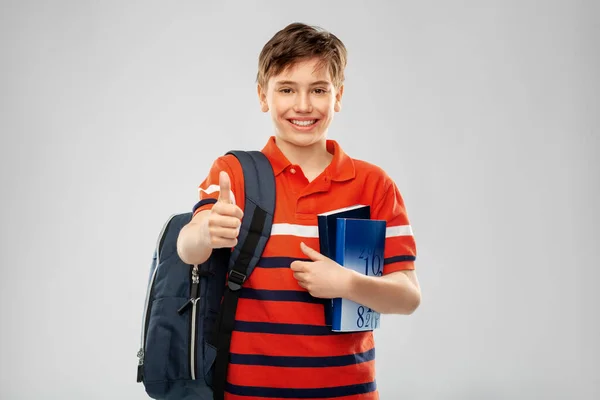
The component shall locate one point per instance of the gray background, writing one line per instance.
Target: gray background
(485, 113)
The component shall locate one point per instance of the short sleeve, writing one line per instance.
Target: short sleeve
(400, 247)
(208, 190)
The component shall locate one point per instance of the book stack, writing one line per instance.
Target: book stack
(352, 239)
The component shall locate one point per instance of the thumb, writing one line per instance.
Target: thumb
(224, 188)
(311, 253)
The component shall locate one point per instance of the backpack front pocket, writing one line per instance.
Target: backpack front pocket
(168, 354)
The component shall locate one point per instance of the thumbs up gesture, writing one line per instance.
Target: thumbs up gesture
(225, 217)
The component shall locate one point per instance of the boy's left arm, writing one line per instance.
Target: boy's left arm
(398, 290)
(394, 293)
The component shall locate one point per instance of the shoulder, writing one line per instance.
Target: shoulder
(228, 161)
(376, 184)
(229, 164)
(370, 172)
(366, 167)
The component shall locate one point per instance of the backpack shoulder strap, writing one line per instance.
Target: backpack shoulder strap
(259, 189)
(259, 208)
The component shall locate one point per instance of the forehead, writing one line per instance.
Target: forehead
(313, 69)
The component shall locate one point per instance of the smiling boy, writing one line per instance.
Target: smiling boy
(281, 347)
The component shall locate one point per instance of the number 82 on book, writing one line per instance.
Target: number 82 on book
(367, 318)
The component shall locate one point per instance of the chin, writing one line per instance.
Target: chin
(302, 139)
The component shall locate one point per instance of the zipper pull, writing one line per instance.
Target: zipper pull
(184, 307)
(194, 291)
(140, 368)
(195, 282)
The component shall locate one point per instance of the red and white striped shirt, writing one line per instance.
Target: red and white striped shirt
(281, 347)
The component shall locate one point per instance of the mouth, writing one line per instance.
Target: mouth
(304, 123)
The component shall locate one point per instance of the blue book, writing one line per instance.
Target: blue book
(327, 223)
(360, 245)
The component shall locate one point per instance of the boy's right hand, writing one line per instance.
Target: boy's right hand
(225, 218)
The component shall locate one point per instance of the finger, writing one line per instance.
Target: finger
(300, 275)
(224, 188)
(224, 221)
(224, 233)
(219, 242)
(311, 253)
(230, 210)
(298, 266)
(303, 284)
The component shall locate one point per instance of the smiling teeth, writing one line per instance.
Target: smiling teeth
(304, 123)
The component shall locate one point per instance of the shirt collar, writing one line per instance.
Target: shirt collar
(340, 169)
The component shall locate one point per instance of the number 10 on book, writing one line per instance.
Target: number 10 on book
(373, 265)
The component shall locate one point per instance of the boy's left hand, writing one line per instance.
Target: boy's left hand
(322, 277)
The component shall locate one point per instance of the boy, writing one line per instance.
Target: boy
(282, 348)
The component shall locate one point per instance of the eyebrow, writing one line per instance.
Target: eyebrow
(293, 83)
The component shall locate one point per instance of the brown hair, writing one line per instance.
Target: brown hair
(297, 42)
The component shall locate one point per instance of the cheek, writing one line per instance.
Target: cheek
(326, 113)
(280, 107)
(325, 106)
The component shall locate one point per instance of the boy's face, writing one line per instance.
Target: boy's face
(302, 101)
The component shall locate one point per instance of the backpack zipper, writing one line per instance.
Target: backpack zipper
(194, 299)
(192, 302)
(146, 317)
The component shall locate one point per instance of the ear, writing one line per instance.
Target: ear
(338, 99)
(262, 98)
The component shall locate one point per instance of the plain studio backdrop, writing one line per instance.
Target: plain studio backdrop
(485, 114)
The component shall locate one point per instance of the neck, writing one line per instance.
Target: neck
(313, 159)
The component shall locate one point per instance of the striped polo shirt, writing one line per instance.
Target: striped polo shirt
(281, 347)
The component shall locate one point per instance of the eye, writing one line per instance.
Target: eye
(320, 91)
(285, 90)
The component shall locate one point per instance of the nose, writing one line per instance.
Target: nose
(303, 104)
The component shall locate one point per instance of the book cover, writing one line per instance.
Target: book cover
(327, 225)
(360, 245)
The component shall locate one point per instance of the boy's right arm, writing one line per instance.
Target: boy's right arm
(211, 229)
